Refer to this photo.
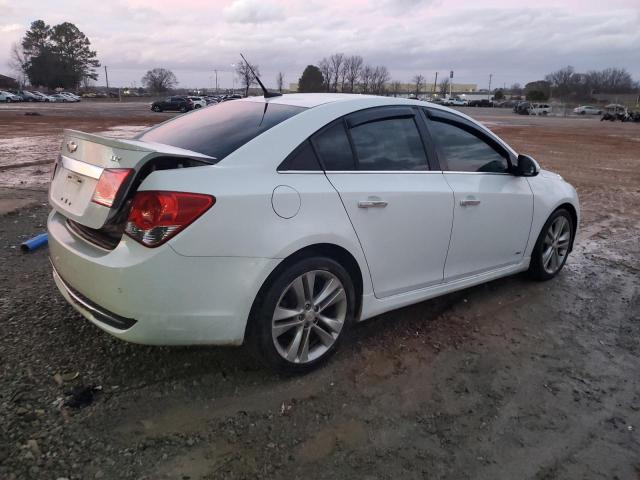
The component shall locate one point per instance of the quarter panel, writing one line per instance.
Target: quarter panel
(243, 223)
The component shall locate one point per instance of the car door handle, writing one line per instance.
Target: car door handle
(469, 202)
(372, 204)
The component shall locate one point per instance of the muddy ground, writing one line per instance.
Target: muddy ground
(510, 380)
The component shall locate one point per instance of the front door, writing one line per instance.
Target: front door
(493, 209)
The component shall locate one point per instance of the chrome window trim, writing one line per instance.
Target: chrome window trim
(419, 172)
(82, 168)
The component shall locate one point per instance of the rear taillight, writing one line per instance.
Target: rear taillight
(155, 217)
(109, 183)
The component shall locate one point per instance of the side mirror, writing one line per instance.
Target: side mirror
(527, 167)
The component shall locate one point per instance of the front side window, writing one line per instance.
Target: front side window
(389, 144)
(333, 148)
(462, 151)
(220, 129)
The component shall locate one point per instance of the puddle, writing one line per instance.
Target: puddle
(42, 150)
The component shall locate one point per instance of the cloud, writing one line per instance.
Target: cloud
(252, 11)
(408, 36)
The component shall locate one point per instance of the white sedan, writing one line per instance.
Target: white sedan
(279, 222)
(587, 110)
(9, 97)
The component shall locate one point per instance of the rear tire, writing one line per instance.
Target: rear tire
(553, 246)
(300, 317)
(156, 108)
(183, 109)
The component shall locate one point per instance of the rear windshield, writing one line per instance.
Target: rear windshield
(220, 129)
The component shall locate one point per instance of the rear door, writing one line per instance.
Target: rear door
(493, 208)
(400, 208)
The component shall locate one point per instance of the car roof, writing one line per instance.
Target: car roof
(310, 100)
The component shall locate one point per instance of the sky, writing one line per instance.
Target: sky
(516, 41)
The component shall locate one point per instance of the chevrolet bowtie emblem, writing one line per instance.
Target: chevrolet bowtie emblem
(115, 158)
(72, 146)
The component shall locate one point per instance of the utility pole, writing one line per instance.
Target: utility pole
(435, 84)
(490, 77)
(106, 76)
(450, 82)
(216, 81)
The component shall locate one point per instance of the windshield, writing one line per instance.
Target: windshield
(220, 129)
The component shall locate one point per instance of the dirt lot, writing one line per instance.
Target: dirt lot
(510, 380)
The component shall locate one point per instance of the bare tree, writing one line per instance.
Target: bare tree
(18, 63)
(516, 89)
(418, 81)
(344, 71)
(159, 80)
(443, 87)
(379, 80)
(325, 68)
(365, 78)
(354, 71)
(280, 81)
(335, 62)
(243, 71)
(561, 81)
(610, 80)
(395, 88)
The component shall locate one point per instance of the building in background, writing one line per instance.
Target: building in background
(7, 82)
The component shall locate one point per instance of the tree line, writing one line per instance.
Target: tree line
(344, 73)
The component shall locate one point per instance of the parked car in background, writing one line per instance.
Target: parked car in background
(25, 96)
(9, 97)
(539, 109)
(587, 110)
(455, 102)
(174, 103)
(198, 102)
(211, 228)
(59, 98)
(43, 97)
(522, 108)
(481, 103)
(211, 100)
(235, 96)
(71, 96)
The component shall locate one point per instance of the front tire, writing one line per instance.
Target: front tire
(553, 246)
(156, 108)
(300, 317)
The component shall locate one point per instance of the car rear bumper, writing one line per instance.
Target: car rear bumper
(156, 296)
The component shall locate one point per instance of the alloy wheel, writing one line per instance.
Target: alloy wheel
(555, 246)
(309, 316)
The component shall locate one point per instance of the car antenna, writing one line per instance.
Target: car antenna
(267, 93)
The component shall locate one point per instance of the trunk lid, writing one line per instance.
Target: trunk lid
(82, 159)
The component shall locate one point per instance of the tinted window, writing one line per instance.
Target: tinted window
(333, 148)
(302, 158)
(220, 129)
(464, 152)
(390, 144)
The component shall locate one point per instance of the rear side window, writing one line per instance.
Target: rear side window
(221, 129)
(333, 148)
(462, 151)
(389, 144)
(302, 158)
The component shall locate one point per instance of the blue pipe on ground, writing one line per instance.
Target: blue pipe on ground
(35, 242)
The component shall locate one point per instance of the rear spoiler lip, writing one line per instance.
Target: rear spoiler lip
(139, 146)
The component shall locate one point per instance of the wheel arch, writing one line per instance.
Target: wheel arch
(574, 218)
(329, 250)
